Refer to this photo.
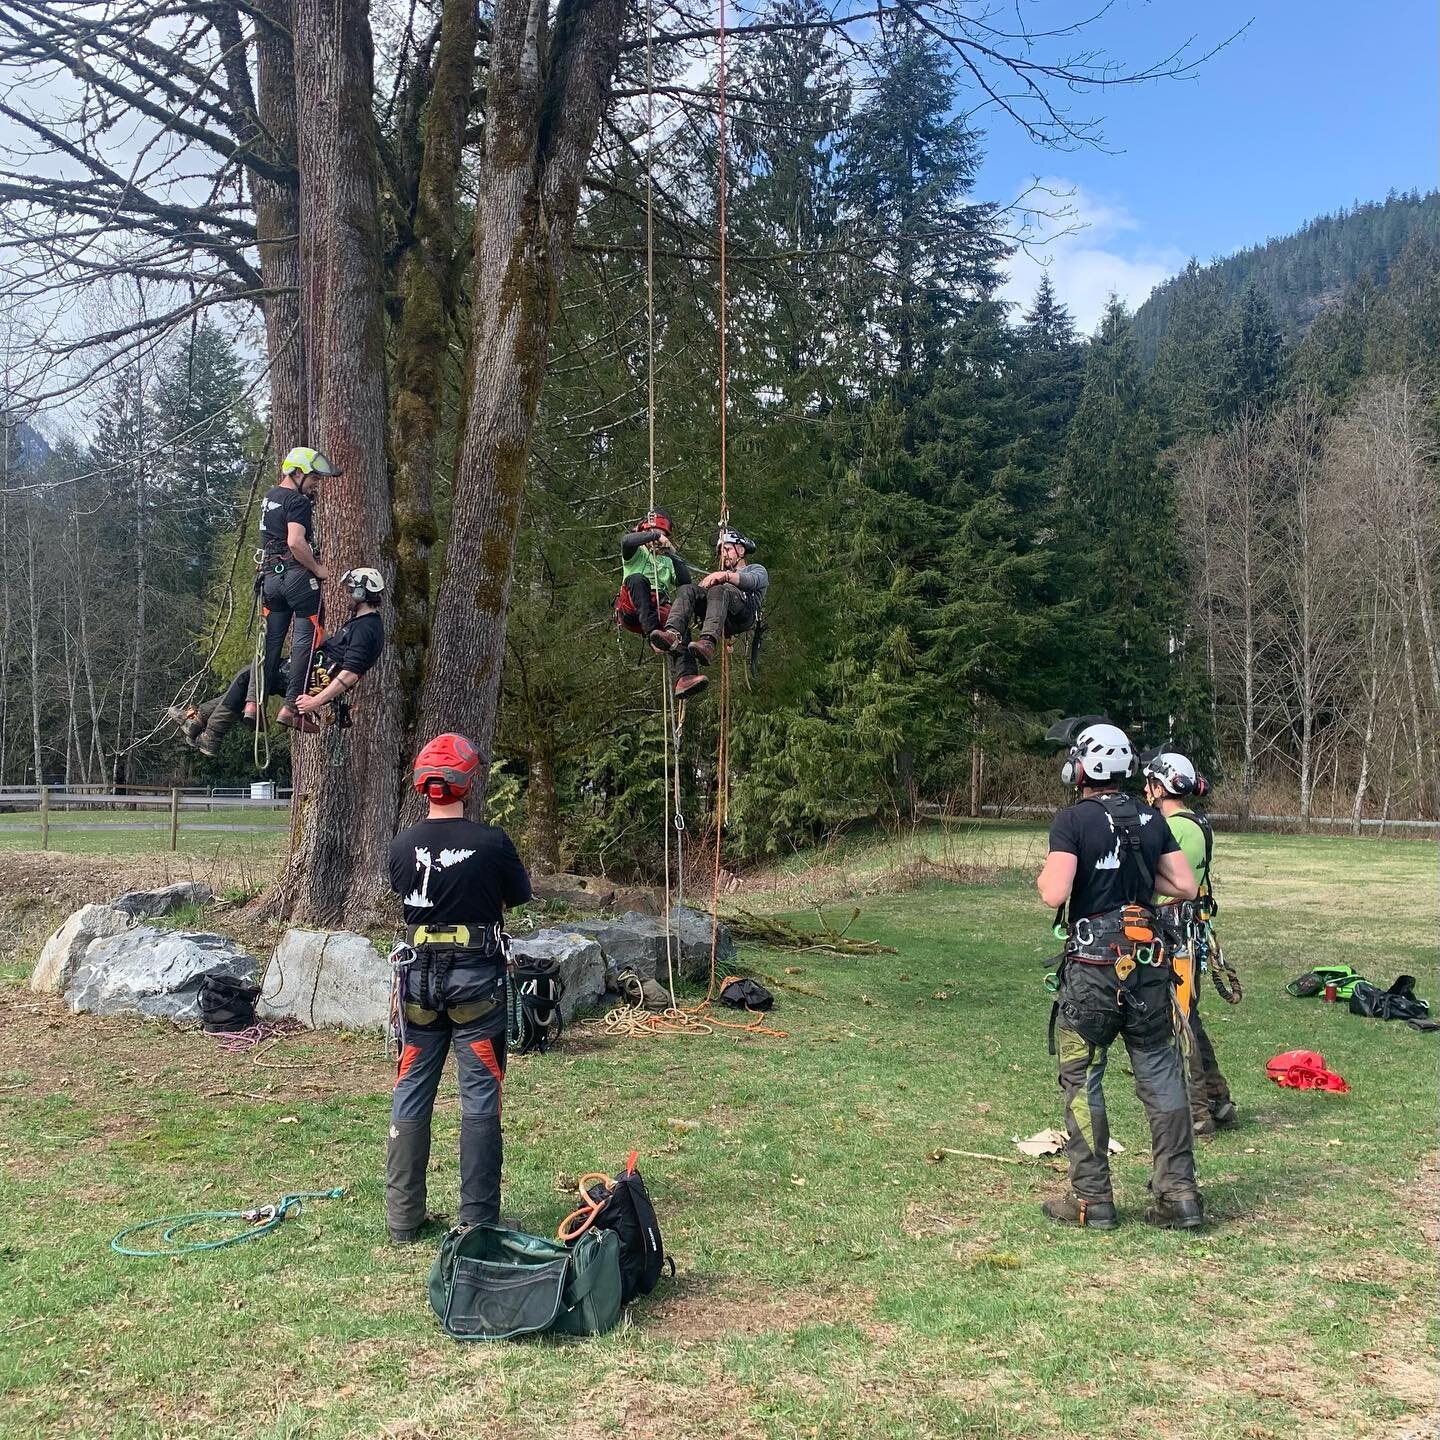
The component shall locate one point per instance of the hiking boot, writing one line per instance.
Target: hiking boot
(703, 649)
(664, 641)
(1070, 1209)
(294, 720)
(689, 685)
(429, 1226)
(187, 717)
(207, 744)
(1227, 1117)
(1182, 1212)
(251, 712)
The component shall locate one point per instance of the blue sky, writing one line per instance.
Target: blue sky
(1318, 104)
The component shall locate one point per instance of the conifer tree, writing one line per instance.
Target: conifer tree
(1251, 356)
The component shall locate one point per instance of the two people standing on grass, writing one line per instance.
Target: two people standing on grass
(1108, 857)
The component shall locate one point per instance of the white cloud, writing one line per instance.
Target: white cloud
(1089, 247)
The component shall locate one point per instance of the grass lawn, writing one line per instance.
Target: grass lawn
(257, 835)
(833, 1280)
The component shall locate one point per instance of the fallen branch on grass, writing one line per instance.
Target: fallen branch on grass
(782, 935)
(939, 1154)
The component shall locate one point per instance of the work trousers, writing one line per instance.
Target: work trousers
(650, 613)
(292, 599)
(1091, 1015)
(722, 610)
(1208, 1091)
(461, 1010)
(220, 714)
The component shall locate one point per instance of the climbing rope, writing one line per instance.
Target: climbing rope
(260, 1221)
(260, 745)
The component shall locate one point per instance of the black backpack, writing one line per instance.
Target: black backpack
(226, 1005)
(625, 1208)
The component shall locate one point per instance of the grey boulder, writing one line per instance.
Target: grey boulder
(322, 977)
(582, 966)
(155, 973)
(636, 942)
(152, 904)
(65, 949)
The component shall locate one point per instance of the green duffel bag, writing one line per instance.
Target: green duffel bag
(591, 1303)
(490, 1283)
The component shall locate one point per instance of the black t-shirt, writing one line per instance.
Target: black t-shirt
(1106, 877)
(456, 872)
(281, 508)
(356, 645)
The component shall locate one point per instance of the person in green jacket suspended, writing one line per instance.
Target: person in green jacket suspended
(652, 573)
(1170, 780)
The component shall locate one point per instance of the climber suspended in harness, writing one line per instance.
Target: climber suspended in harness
(729, 601)
(340, 662)
(652, 571)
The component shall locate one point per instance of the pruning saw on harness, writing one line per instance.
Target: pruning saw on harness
(1107, 854)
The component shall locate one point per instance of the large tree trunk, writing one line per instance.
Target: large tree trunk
(342, 817)
(277, 223)
(543, 101)
(427, 288)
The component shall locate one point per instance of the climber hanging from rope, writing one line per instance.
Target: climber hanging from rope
(652, 572)
(339, 663)
(727, 602)
(289, 575)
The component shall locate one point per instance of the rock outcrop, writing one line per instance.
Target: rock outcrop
(322, 977)
(155, 973)
(152, 904)
(65, 949)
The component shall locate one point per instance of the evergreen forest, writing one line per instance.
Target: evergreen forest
(1214, 520)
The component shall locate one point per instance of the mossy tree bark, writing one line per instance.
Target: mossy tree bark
(343, 817)
(545, 90)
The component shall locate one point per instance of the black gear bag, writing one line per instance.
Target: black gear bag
(226, 1004)
(625, 1208)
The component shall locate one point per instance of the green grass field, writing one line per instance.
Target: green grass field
(257, 834)
(833, 1280)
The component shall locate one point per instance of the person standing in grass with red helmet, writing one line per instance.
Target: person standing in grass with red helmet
(455, 878)
(652, 572)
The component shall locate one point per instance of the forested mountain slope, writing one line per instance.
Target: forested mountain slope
(1300, 273)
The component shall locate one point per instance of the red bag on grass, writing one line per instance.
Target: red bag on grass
(1304, 1070)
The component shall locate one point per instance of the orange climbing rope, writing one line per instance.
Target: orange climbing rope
(634, 1020)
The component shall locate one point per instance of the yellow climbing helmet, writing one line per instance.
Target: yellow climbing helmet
(307, 461)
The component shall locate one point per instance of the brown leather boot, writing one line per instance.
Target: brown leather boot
(702, 647)
(689, 685)
(664, 641)
(1071, 1209)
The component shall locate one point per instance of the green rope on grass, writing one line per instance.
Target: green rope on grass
(259, 1222)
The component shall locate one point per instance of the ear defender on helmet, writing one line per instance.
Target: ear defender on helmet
(446, 768)
(1174, 773)
(1101, 752)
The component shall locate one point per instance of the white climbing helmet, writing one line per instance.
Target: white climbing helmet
(1100, 752)
(1172, 772)
(364, 584)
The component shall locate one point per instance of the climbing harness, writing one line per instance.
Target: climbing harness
(259, 1221)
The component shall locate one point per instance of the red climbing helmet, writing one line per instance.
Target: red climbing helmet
(656, 520)
(445, 768)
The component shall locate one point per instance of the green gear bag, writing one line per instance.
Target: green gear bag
(1343, 977)
(492, 1283)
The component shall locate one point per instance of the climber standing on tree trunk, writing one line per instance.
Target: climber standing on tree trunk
(290, 576)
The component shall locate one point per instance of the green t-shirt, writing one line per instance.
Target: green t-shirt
(1191, 839)
(656, 566)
